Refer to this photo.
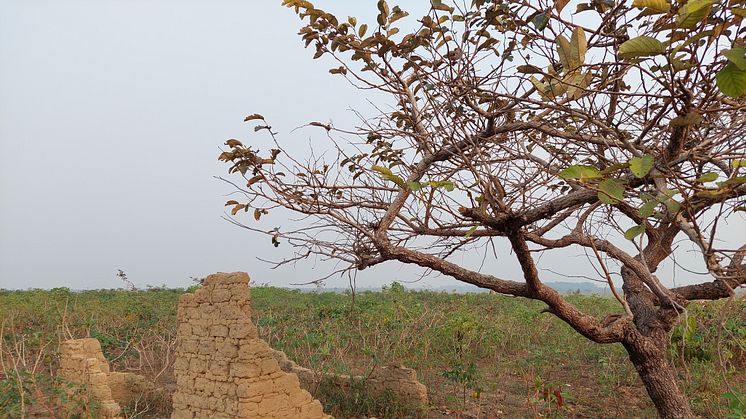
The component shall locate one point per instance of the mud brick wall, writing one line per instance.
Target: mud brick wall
(398, 380)
(83, 362)
(222, 368)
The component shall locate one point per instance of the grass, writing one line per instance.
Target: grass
(480, 355)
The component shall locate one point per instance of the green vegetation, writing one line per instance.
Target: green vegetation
(479, 354)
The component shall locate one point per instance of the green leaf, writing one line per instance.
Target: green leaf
(446, 184)
(672, 205)
(661, 6)
(670, 192)
(415, 186)
(736, 56)
(693, 12)
(711, 193)
(634, 232)
(642, 46)
(541, 20)
(387, 174)
(581, 172)
(647, 209)
(383, 170)
(733, 182)
(738, 163)
(470, 232)
(614, 167)
(707, 177)
(731, 81)
(363, 28)
(610, 191)
(641, 166)
(396, 179)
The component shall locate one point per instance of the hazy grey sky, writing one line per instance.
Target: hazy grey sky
(111, 115)
(111, 118)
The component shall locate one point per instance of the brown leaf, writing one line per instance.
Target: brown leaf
(319, 124)
(560, 4)
(252, 117)
(254, 180)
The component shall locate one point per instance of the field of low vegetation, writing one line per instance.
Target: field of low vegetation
(480, 355)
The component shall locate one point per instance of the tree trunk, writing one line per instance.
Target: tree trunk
(659, 377)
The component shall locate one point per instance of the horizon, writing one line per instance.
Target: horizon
(458, 288)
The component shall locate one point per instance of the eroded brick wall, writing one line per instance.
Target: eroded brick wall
(222, 368)
(395, 379)
(83, 362)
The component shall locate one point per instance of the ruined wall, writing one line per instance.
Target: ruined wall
(222, 368)
(83, 362)
(398, 380)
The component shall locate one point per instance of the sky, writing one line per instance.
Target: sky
(111, 118)
(112, 115)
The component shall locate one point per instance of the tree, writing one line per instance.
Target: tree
(614, 129)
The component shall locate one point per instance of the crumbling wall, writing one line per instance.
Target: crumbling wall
(395, 379)
(222, 368)
(83, 362)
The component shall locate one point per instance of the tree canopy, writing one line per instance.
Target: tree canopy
(602, 126)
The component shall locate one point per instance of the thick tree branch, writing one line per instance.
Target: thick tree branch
(583, 323)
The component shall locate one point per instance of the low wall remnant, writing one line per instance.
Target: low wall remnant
(395, 379)
(83, 362)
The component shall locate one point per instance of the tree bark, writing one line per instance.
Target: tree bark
(649, 357)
